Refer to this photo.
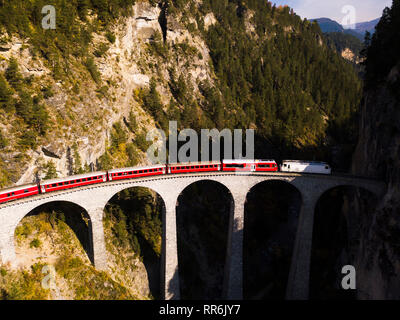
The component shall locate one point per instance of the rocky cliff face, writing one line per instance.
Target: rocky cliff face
(378, 155)
(83, 112)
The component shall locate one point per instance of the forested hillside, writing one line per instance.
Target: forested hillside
(83, 96)
(342, 42)
(269, 70)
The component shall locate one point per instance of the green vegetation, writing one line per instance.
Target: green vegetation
(18, 97)
(383, 43)
(340, 41)
(287, 82)
(77, 160)
(3, 141)
(35, 243)
(76, 277)
(51, 171)
(92, 68)
(136, 216)
(24, 285)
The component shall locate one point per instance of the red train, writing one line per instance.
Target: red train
(137, 172)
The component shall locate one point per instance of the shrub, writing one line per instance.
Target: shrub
(5, 94)
(118, 135)
(110, 37)
(35, 243)
(101, 50)
(51, 171)
(27, 140)
(47, 92)
(92, 68)
(3, 141)
(13, 75)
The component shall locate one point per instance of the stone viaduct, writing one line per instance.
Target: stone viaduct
(94, 198)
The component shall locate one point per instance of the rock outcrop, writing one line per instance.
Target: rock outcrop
(378, 154)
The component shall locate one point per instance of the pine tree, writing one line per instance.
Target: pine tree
(51, 171)
(5, 95)
(13, 75)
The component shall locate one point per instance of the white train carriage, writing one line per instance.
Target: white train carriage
(306, 167)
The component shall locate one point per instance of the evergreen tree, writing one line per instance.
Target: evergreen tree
(51, 171)
(13, 75)
(3, 141)
(5, 94)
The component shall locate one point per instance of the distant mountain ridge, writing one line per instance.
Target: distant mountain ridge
(328, 25)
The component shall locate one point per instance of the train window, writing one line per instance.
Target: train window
(233, 165)
(26, 191)
(8, 194)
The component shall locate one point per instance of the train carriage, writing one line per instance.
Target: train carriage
(246, 165)
(137, 172)
(191, 167)
(73, 181)
(19, 192)
(266, 166)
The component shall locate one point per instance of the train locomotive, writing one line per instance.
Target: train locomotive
(53, 185)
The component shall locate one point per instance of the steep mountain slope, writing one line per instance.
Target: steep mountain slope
(347, 45)
(84, 96)
(329, 25)
(377, 154)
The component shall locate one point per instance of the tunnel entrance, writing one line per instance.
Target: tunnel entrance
(338, 223)
(202, 218)
(133, 235)
(270, 224)
(45, 233)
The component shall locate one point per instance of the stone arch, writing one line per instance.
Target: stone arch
(152, 260)
(271, 217)
(75, 216)
(375, 189)
(204, 229)
(336, 236)
(291, 181)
